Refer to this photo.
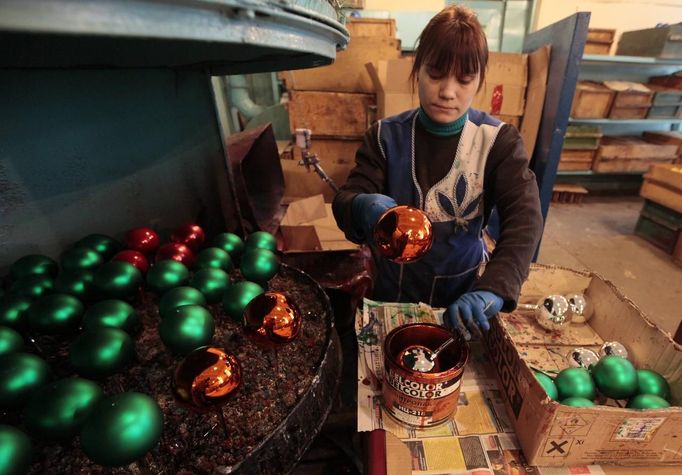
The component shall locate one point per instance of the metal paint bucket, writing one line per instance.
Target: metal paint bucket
(416, 398)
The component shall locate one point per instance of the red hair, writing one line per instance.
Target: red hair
(453, 42)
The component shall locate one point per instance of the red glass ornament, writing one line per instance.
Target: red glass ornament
(177, 252)
(144, 240)
(135, 258)
(191, 235)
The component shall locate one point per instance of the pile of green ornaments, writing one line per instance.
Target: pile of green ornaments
(612, 376)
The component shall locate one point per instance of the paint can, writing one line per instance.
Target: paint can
(416, 398)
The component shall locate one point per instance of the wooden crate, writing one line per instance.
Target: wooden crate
(662, 42)
(597, 48)
(599, 41)
(666, 138)
(664, 96)
(663, 185)
(576, 159)
(359, 4)
(592, 100)
(665, 112)
(582, 137)
(628, 112)
(630, 94)
(371, 27)
(677, 254)
(331, 114)
(673, 81)
(659, 225)
(630, 154)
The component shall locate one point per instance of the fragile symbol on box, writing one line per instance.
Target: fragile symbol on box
(573, 424)
(558, 447)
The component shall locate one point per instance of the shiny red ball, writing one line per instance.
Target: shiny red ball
(177, 252)
(135, 258)
(143, 240)
(191, 235)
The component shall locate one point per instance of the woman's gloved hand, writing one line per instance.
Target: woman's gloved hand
(366, 209)
(472, 310)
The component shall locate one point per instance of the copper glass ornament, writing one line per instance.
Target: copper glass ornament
(206, 378)
(403, 234)
(272, 319)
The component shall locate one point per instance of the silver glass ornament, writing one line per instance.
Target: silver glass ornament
(580, 308)
(613, 348)
(582, 358)
(552, 313)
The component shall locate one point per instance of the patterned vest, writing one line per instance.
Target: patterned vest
(454, 205)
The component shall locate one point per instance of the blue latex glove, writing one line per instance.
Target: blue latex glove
(472, 310)
(366, 209)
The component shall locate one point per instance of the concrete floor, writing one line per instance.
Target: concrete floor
(597, 235)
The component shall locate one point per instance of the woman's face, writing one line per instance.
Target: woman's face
(445, 99)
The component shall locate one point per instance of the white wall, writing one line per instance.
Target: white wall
(405, 5)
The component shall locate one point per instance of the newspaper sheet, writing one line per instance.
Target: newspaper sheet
(478, 440)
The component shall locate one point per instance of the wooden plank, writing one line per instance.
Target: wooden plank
(371, 27)
(624, 165)
(601, 35)
(634, 148)
(330, 114)
(597, 48)
(628, 112)
(571, 165)
(580, 155)
(592, 100)
(666, 138)
(665, 95)
(662, 194)
(630, 94)
(669, 175)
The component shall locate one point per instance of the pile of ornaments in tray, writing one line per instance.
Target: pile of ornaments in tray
(86, 300)
(609, 373)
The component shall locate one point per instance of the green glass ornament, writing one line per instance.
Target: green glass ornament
(21, 374)
(238, 296)
(577, 402)
(167, 274)
(112, 313)
(33, 264)
(212, 283)
(15, 451)
(213, 258)
(575, 382)
(55, 314)
(121, 429)
(230, 243)
(117, 279)
(33, 286)
(10, 341)
(651, 382)
(615, 377)
(77, 283)
(647, 401)
(178, 297)
(57, 411)
(261, 240)
(548, 385)
(259, 265)
(187, 328)
(81, 258)
(101, 352)
(13, 310)
(104, 245)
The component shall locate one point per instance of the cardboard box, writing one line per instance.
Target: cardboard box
(555, 435)
(331, 114)
(309, 225)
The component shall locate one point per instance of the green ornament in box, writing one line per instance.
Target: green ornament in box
(13, 310)
(77, 283)
(33, 286)
(547, 384)
(21, 375)
(615, 377)
(81, 258)
(101, 352)
(214, 258)
(212, 283)
(261, 240)
(187, 328)
(15, 456)
(10, 341)
(33, 264)
(238, 296)
(575, 382)
(165, 275)
(104, 245)
(651, 382)
(647, 401)
(55, 314)
(178, 297)
(117, 279)
(259, 265)
(112, 313)
(577, 402)
(230, 243)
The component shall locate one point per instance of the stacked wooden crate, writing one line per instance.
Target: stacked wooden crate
(592, 100)
(667, 103)
(631, 154)
(599, 40)
(631, 100)
(580, 147)
(672, 137)
(337, 103)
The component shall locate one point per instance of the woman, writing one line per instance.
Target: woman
(455, 163)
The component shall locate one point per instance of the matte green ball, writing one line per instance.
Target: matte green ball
(647, 401)
(21, 374)
(259, 265)
(10, 341)
(548, 385)
(57, 411)
(55, 314)
(214, 258)
(13, 310)
(230, 243)
(261, 240)
(238, 296)
(212, 283)
(112, 313)
(187, 328)
(117, 279)
(167, 274)
(101, 352)
(33, 264)
(615, 377)
(33, 286)
(121, 429)
(104, 245)
(577, 402)
(77, 283)
(651, 382)
(178, 297)
(81, 258)
(575, 382)
(15, 451)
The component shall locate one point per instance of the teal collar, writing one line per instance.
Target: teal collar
(442, 130)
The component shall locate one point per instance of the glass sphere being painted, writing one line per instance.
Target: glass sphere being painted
(403, 234)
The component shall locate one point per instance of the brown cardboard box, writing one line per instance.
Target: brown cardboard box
(331, 114)
(308, 225)
(555, 435)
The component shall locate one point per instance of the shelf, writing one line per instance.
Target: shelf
(597, 174)
(604, 59)
(625, 121)
(222, 36)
